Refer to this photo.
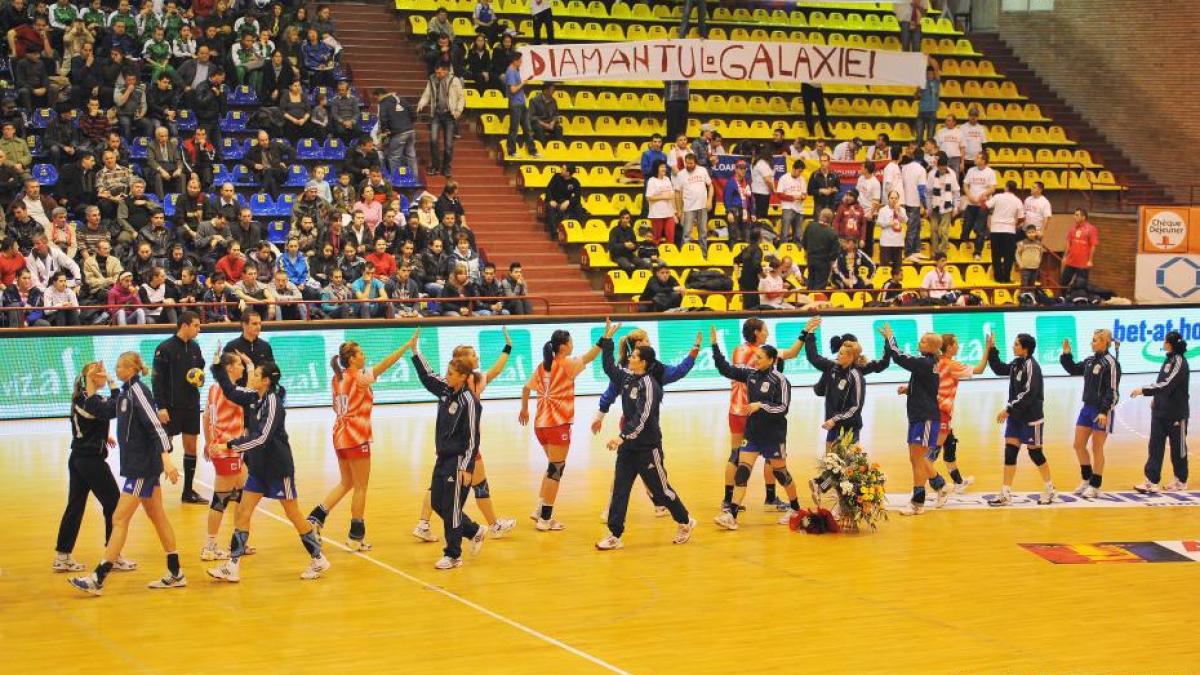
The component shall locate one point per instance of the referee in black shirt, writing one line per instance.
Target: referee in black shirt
(249, 343)
(177, 400)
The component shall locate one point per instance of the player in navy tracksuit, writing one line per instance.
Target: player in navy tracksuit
(271, 473)
(842, 383)
(768, 397)
(1023, 413)
(924, 416)
(1101, 376)
(457, 444)
(145, 450)
(1169, 416)
(639, 446)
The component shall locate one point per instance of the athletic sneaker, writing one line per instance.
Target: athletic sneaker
(960, 488)
(316, 568)
(551, 525)
(1081, 489)
(67, 564)
(423, 532)
(536, 515)
(1047, 496)
(169, 580)
(659, 512)
(1176, 486)
(1002, 499)
(448, 563)
(1090, 493)
(123, 565)
(502, 527)
(226, 571)
(213, 552)
(86, 584)
(943, 495)
(358, 545)
(192, 497)
(726, 520)
(786, 519)
(777, 505)
(1147, 488)
(477, 540)
(684, 533)
(913, 509)
(610, 543)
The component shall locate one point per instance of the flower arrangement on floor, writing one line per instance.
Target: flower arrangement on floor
(856, 484)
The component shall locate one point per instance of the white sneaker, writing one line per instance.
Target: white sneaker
(913, 509)
(502, 527)
(786, 519)
(659, 512)
(1090, 493)
(1176, 486)
(1147, 488)
(424, 533)
(536, 515)
(67, 564)
(1081, 489)
(1002, 499)
(213, 552)
(448, 563)
(943, 495)
(169, 581)
(961, 488)
(123, 565)
(477, 540)
(551, 525)
(86, 584)
(726, 520)
(610, 543)
(358, 545)
(684, 533)
(316, 568)
(226, 571)
(1047, 496)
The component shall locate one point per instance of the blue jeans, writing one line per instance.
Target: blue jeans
(912, 234)
(926, 125)
(910, 38)
(701, 18)
(518, 119)
(401, 151)
(441, 154)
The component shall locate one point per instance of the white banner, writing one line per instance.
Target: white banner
(1167, 278)
(722, 60)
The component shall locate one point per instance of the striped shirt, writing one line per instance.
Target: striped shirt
(950, 373)
(352, 401)
(556, 392)
(738, 398)
(223, 419)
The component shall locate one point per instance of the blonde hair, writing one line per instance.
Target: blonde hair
(461, 366)
(81, 381)
(629, 342)
(934, 339)
(949, 341)
(136, 359)
(462, 351)
(859, 360)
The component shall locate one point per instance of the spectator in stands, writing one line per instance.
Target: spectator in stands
(514, 287)
(433, 261)
(821, 247)
(62, 140)
(12, 179)
(310, 205)
(358, 234)
(253, 294)
(396, 125)
(974, 136)
(1082, 240)
(938, 282)
(978, 185)
(661, 292)
(130, 100)
(750, 262)
(1029, 255)
(22, 228)
(660, 195)
(443, 95)
(677, 153)
(847, 151)
(652, 154)
(321, 265)
(870, 197)
(464, 256)
(695, 194)
(317, 60)
(233, 263)
(264, 260)
(247, 231)
(456, 293)
(929, 98)
(155, 290)
(791, 191)
(448, 202)
(1007, 215)
(38, 205)
(1037, 207)
(383, 188)
(178, 260)
(24, 294)
(623, 246)
(62, 306)
(350, 262)
(344, 113)
(543, 18)
(162, 104)
(31, 78)
(950, 141)
(406, 255)
(486, 21)
(93, 231)
(739, 204)
(208, 103)
(701, 7)
(267, 161)
(155, 233)
(489, 287)
(908, 15)
(404, 286)
(445, 52)
(212, 238)
(772, 285)
(219, 292)
(113, 183)
(83, 70)
(189, 290)
(544, 117)
(518, 114)
(849, 221)
(226, 203)
(440, 24)
(124, 303)
(762, 180)
(15, 148)
(192, 75)
(881, 151)
(384, 262)
(62, 232)
(847, 271)
(701, 147)
(676, 101)
(141, 263)
(479, 67)
(916, 201)
(287, 296)
(277, 77)
(199, 155)
(813, 96)
(95, 125)
(891, 221)
(823, 187)
(165, 163)
(335, 296)
(100, 269)
(76, 182)
(45, 259)
(564, 198)
(371, 209)
(297, 113)
(943, 204)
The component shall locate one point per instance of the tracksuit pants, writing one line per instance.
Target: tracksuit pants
(448, 495)
(647, 463)
(91, 474)
(1161, 431)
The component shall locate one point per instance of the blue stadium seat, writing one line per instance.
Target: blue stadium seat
(169, 204)
(151, 197)
(366, 122)
(262, 205)
(139, 148)
(186, 120)
(277, 231)
(404, 204)
(243, 95)
(402, 179)
(334, 150)
(233, 149)
(283, 206)
(309, 149)
(234, 122)
(45, 174)
(242, 177)
(37, 149)
(221, 175)
(297, 176)
(41, 118)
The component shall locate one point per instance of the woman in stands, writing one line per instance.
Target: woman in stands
(842, 383)
(1101, 378)
(497, 527)
(145, 449)
(229, 406)
(352, 435)
(554, 382)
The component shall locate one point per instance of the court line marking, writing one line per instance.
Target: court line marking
(533, 632)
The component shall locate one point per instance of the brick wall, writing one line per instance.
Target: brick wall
(1130, 68)
(1116, 259)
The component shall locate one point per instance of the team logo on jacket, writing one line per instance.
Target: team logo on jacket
(633, 394)
(842, 385)
(453, 408)
(124, 405)
(1096, 369)
(764, 387)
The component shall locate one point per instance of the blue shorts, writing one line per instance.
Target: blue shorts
(924, 433)
(142, 488)
(1026, 433)
(1087, 418)
(283, 488)
(839, 429)
(767, 450)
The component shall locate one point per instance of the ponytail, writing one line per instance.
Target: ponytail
(81, 381)
(557, 339)
(136, 358)
(341, 361)
(1175, 339)
(628, 343)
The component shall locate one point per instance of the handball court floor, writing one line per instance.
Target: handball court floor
(951, 591)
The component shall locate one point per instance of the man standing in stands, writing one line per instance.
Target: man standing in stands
(974, 136)
(543, 17)
(676, 98)
(821, 247)
(444, 96)
(1007, 214)
(950, 141)
(823, 186)
(518, 114)
(909, 14)
(694, 188)
(978, 185)
(176, 397)
(1082, 240)
(396, 125)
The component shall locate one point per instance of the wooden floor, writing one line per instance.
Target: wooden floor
(948, 592)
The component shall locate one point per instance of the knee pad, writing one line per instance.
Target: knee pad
(1038, 457)
(554, 470)
(742, 477)
(236, 495)
(1010, 455)
(783, 476)
(218, 501)
(481, 490)
(950, 448)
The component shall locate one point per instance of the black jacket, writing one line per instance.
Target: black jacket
(1025, 392)
(395, 115)
(641, 397)
(844, 389)
(1101, 379)
(617, 238)
(89, 423)
(458, 416)
(769, 388)
(922, 383)
(172, 360)
(259, 351)
(142, 437)
(268, 452)
(1170, 390)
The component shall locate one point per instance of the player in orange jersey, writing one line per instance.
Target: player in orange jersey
(554, 382)
(224, 420)
(755, 334)
(950, 373)
(497, 527)
(352, 401)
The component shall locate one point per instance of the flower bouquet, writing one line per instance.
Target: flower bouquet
(856, 484)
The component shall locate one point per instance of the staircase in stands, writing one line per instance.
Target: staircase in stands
(506, 227)
(1142, 189)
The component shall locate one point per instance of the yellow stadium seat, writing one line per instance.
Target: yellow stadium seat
(998, 134)
(952, 89)
(1049, 178)
(1004, 156)
(891, 42)
(817, 19)
(1009, 90)
(1019, 133)
(1045, 156)
(1037, 134)
(991, 90)
(620, 10)
(1084, 157)
(1033, 112)
(836, 40)
(962, 46)
(968, 69)
(950, 67)
(839, 299)
(691, 301)
(594, 256)
(719, 255)
(636, 31)
(995, 111)
(972, 89)
(597, 10)
(1056, 134)
(716, 303)
(1024, 156)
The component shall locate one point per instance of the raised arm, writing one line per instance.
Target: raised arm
(809, 337)
(498, 367)
(879, 365)
(993, 357)
(680, 370)
(272, 420)
(391, 359)
(239, 395)
(432, 382)
(1067, 360)
(614, 372)
(905, 361)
